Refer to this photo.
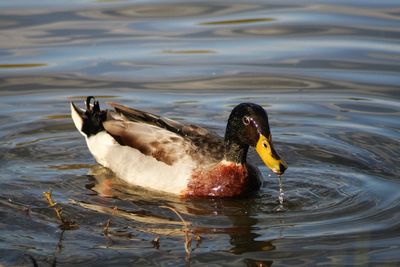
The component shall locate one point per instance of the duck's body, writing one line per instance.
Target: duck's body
(161, 154)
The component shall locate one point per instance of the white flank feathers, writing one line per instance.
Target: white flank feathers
(136, 168)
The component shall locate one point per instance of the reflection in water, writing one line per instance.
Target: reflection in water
(188, 52)
(17, 66)
(238, 226)
(238, 21)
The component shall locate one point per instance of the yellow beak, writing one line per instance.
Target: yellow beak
(269, 156)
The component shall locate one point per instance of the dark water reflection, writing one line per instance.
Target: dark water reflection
(327, 73)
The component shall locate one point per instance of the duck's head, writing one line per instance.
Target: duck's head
(248, 126)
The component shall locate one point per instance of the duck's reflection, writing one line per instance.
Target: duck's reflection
(232, 217)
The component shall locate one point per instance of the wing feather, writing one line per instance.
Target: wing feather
(165, 139)
(149, 140)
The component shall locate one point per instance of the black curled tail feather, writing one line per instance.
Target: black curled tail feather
(93, 117)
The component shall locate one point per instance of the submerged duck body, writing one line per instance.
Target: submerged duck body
(183, 159)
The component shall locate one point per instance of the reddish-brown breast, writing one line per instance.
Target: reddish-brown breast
(223, 180)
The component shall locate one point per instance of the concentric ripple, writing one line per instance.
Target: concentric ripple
(339, 187)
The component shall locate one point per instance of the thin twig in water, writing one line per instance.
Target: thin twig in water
(107, 233)
(59, 248)
(52, 204)
(60, 240)
(65, 224)
(188, 233)
(106, 229)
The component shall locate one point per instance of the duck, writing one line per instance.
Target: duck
(161, 154)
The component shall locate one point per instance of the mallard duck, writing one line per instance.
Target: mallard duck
(161, 154)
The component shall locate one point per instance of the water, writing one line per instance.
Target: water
(327, 72)
(280, 206)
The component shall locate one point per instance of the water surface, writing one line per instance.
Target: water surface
(327, 72)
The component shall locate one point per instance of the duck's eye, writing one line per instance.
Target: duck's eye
(246, 120)
(265, 144)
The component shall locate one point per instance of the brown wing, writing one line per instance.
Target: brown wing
(163, 138)
(153, 141)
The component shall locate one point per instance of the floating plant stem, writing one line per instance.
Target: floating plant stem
(106, 228)
(57, 209)
(189, 236)
(65, 224)
(106, 232)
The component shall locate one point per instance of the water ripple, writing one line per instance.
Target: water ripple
(326, 72)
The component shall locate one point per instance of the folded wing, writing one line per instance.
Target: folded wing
(164, 139)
